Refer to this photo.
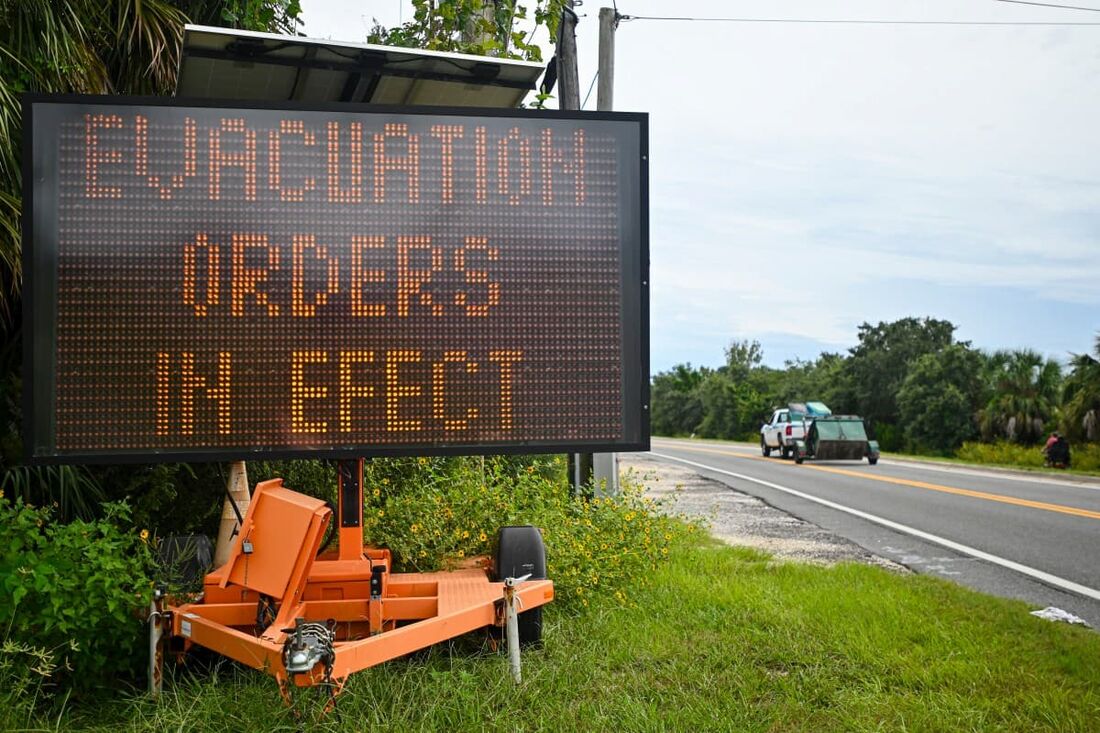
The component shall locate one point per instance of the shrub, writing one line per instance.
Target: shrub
(312, 477)
(888, 436)
(452, 510)
(78, 590)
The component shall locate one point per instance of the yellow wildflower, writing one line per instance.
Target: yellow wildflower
(377, 493)
(414, 528)
(465, 535)
(381, 513)
(144, 535)
(482, 537)
(462, 553)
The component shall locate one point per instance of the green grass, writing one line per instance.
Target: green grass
(724, 640)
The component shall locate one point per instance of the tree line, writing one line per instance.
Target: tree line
(917, 386)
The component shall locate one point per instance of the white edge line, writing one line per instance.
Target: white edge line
(958, 547)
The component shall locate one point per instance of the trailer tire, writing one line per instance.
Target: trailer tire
(872, 460)
(798, 458)
(520, 552)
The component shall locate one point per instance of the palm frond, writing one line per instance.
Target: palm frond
(71, 490)
(147, 39)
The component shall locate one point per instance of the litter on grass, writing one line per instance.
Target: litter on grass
(1050, 613)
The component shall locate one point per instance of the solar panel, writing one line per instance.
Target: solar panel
(222, 63)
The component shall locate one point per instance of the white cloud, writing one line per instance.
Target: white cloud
(817, 164)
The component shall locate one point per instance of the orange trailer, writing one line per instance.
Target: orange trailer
(306, 619)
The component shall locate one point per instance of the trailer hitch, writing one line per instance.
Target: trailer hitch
(309, 643)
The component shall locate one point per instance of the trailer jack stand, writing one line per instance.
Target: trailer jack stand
(511, 624)
(313, 620)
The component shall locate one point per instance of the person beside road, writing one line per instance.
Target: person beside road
(1056, 451)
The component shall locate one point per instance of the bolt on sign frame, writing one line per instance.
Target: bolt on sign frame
(209, 281)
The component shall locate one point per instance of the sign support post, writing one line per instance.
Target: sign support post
(350, 508)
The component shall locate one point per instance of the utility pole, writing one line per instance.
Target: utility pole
(609, 21)
(568, 81)
(605, 466)
(474, 33)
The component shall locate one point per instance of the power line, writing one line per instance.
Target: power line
(830, 21)
(1049, 5)
(592, 84)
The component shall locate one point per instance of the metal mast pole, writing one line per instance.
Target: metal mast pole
(580, 464)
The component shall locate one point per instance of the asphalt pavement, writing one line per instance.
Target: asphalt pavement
(1033, 538)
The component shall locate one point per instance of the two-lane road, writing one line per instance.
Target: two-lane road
(1034, 538)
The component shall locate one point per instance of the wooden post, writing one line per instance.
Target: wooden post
(473, 33)
(568, 81)
(237, 486)
(609, 20)
(605, 466)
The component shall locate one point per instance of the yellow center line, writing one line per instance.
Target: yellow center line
(1045, 506)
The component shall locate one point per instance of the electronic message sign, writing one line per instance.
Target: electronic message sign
(206, 281)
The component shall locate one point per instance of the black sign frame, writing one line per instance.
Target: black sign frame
(39, 321)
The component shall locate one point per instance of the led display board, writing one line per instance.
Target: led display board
(210, 281)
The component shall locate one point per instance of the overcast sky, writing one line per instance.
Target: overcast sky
(806, 178)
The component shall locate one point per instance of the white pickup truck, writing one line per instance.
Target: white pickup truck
(789, 424)
(780, 434)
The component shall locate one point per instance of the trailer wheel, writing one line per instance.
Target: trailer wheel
(798, 458)
(520, 552)
(872, 460)
(764, 447)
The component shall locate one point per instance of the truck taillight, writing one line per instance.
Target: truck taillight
(789, 431)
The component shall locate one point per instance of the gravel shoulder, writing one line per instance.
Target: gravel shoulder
(739, 519)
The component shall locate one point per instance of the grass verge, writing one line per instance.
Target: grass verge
(724, 639)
